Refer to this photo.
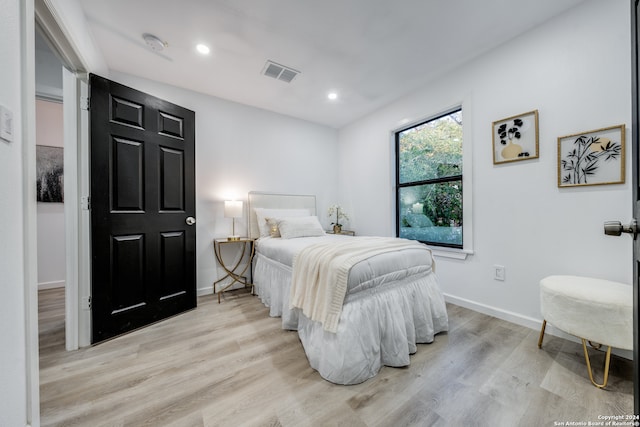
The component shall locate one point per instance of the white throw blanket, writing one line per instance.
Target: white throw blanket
(321, 272)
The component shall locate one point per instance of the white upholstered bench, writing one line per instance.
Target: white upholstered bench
(595, 310)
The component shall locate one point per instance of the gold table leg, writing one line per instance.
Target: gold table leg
(230, 272)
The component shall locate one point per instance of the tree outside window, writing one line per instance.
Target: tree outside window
(429, 181)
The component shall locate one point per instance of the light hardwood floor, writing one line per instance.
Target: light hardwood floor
(230, 364)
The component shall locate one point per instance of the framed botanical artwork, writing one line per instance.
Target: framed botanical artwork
(595, 157)
(516, 138)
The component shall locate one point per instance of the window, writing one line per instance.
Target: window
(429, 181)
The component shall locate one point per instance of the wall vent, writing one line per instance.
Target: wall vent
(280, 72)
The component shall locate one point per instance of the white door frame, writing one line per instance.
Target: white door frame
(77, 257)
(40, 12)
(83, 286)
(30, 254)
(70, 93)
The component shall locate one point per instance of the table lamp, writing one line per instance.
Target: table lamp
(233, 210)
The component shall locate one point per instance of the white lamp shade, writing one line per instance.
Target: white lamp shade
(233, 208)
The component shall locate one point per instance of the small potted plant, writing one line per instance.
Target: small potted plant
(338, 213)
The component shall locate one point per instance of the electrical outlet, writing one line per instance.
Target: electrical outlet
(498, 272)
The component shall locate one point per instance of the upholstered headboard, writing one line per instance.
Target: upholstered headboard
(258, 199)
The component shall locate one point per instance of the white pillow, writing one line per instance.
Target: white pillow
(263, 213)
(307, 226)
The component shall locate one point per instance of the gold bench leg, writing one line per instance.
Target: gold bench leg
(607, 360)
(544, 325)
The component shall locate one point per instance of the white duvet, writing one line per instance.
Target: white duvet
(320, 272)
(362, 276)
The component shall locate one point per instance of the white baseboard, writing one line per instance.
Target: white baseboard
(527, 322)
(509, 316)
(208, 290)
(51, 285)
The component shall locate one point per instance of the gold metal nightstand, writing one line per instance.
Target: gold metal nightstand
(246, 243)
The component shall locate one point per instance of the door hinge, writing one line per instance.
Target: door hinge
(86, 303)
(85, 202)
(84, 103)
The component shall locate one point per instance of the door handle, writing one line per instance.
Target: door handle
(615, 228)
(190, 220)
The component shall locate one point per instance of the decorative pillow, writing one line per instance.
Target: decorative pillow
(307, 226)
(272, 223)
(418, 220)
(263, 213)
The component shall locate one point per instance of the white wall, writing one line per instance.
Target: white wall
(575, 70)
(48, 75)
(71, 19)
(13, 369)
(50, 217)
(241, 149)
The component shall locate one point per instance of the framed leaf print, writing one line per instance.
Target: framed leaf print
(595, 157)
(516, 138)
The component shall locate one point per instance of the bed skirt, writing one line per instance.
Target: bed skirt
(379, 326)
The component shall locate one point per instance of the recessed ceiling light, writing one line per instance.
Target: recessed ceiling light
(332, 96)
(203, 49)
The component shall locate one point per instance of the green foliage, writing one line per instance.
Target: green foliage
(444, 204)
(431, 150)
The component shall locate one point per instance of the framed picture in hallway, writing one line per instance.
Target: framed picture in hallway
(50, 174)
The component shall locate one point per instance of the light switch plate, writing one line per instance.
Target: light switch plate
(6, 124)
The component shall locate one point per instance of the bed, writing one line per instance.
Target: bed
(391, 301)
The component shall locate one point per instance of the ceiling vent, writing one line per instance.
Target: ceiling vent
(280, 72)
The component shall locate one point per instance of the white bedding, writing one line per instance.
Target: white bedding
(362, 276)
(393, 302)
(321, 271)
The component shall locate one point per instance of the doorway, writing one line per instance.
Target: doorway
(50, 215)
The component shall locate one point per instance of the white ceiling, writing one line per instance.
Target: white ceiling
(369, 51)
